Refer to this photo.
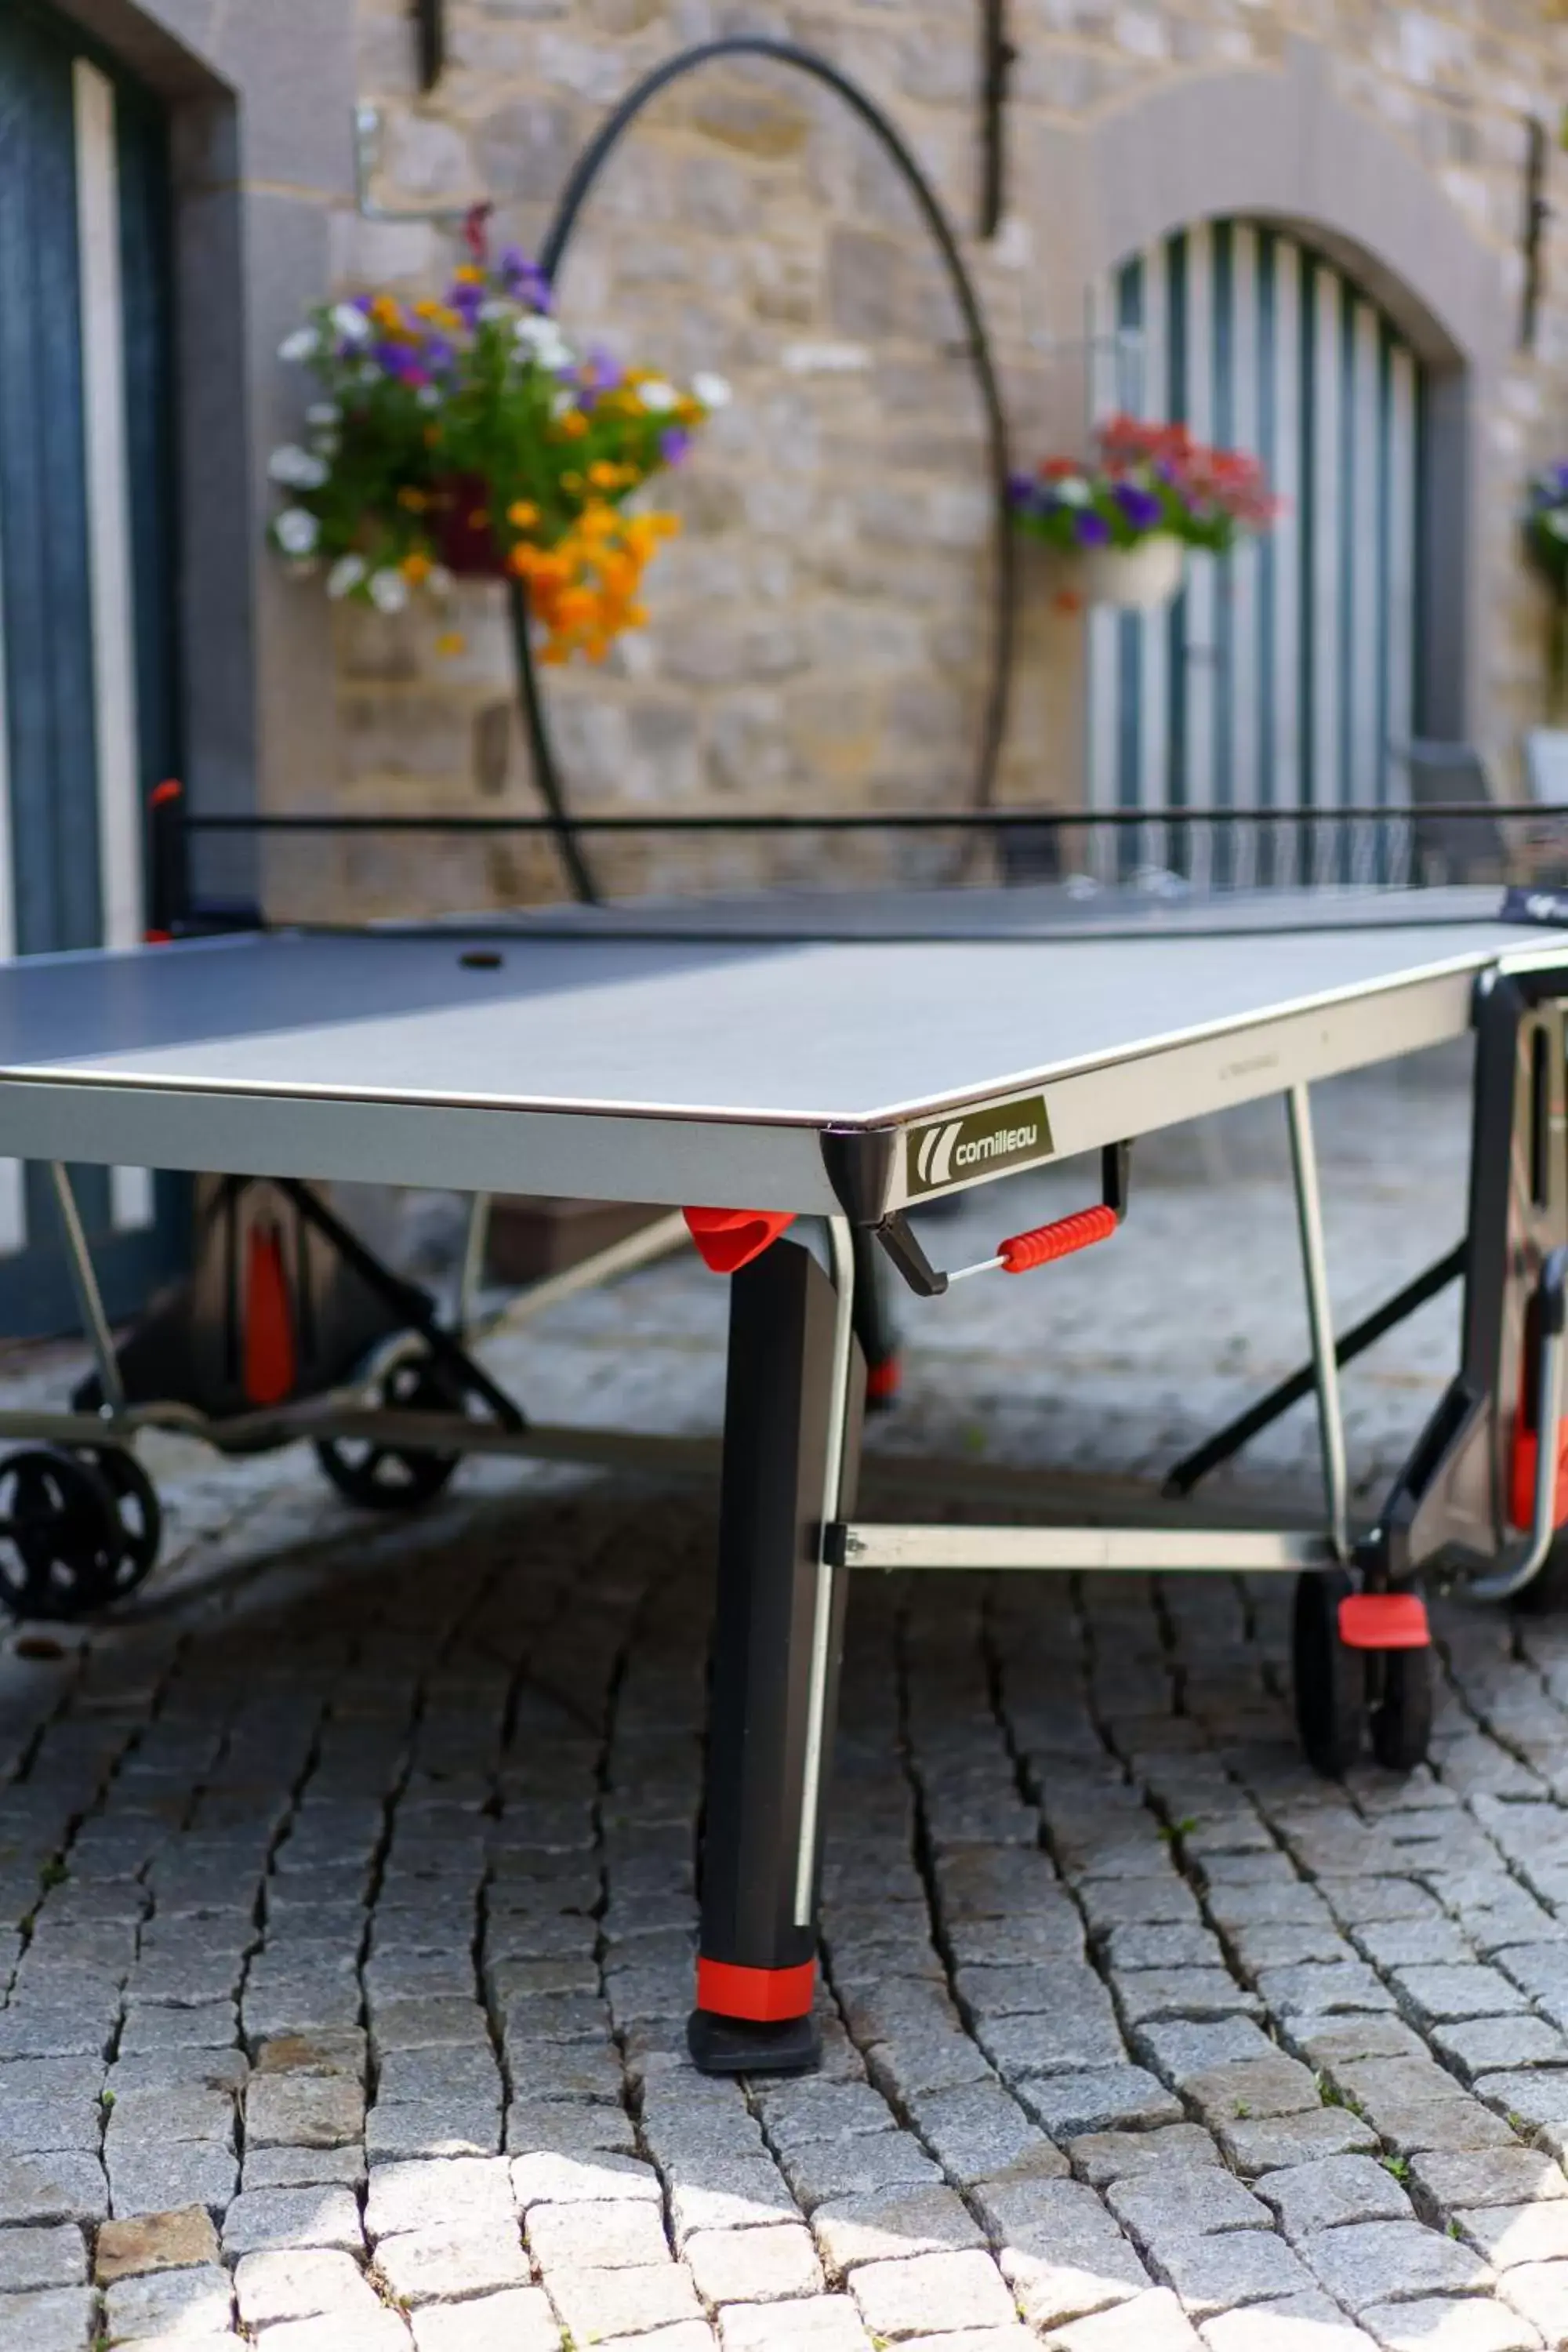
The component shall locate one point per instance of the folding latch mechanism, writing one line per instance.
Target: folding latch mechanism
(1020, 1253)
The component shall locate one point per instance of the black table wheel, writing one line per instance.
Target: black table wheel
(1330, 1679)
(65, 1549)
(1402, 1708)
(136, 1499)
(395, 1477)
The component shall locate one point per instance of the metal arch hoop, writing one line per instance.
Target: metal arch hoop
(584, 174)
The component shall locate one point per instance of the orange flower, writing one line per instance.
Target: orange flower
(523, 514)
(414, 500)
(573, 425)
(416, 565)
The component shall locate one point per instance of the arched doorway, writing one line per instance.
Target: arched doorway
(1285, 673)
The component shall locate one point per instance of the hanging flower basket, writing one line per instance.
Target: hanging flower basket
(1120, 527)
(1546, 543)
(466, 438)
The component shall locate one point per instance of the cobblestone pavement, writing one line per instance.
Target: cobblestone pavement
(347, 1895)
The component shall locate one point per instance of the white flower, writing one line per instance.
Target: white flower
(1072, 490)
(388, 590)
(302, 344)
(322, 412)
(712, 390)
(562, 403)
(543, 341)
(428, 396)
(346, 573)
(351, 323)
(297, 468)
(440, 581)
(296, 532)
(1557, 523)
(489, 311)
(658, 397)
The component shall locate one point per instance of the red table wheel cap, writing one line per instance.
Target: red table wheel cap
(1384, 1620)
(766, 1996)
(728, 1239)
(884, 1381)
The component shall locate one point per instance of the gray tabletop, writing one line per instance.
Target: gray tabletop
(748, 1033)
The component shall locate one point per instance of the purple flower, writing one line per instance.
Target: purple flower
(1089, 529)
(1021, 489)
(1140, 508)
(465, 299)
(674, 444)
(439, 355)
(602, 371)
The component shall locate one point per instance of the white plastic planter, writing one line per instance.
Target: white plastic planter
(1135, 579)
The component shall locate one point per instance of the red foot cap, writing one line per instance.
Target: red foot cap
(728, 1239)
(884, 1380)
(1384, 1620)
(766, 1996)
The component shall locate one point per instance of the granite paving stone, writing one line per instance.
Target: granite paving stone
(194, 2303)
(771, 2265)
(1368, 2261)
(449, 2261)
(51, 2256)
(1330, 2191)
(1449, 2323)
(519, 2320)
(56, 2319)
(298, 2284)
(1229, 2269)
(929, 2293)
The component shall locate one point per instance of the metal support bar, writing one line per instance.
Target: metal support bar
(651, 1241)
(84, 1282)
(842, 1247)
(405, 1298)
(1319, 1314)
(1238, 1433)
(476, 1239)
(1140, 1551)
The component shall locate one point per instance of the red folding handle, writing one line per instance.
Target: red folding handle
(1021, 1253)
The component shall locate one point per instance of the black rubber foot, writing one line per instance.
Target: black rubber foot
(737, 2045)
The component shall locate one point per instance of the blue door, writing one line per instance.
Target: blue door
(87, 684)
(1283, 675)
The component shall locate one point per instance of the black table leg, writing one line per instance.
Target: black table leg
(774, 1683)
(875, 1325)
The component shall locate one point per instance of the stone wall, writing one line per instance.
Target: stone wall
(820, 632)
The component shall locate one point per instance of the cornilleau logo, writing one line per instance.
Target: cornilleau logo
(957, 1151)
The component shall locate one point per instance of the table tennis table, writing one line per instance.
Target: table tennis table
(847, 1059)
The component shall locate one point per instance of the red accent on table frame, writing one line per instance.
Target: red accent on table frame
(270, 1367)
(728, 1239)
(763, 1996)
(1521, 1481)
(1384, 1620)
(1021, 1253)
